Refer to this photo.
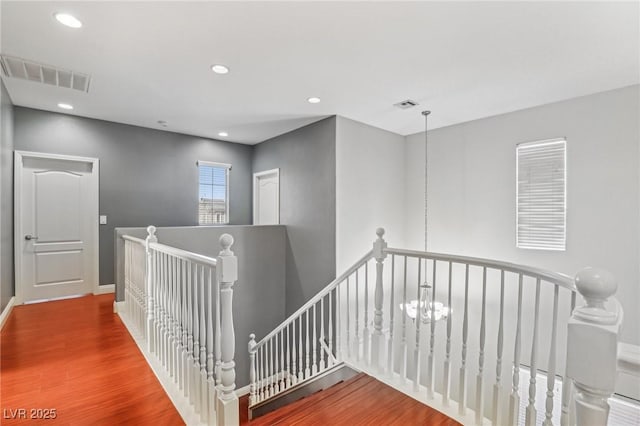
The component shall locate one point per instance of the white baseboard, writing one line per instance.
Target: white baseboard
(7, 310)
(105, 289)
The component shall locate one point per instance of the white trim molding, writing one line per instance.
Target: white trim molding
(6, 312)
(105, 289)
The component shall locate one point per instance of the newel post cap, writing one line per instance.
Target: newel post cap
(252, 342)
(596, 286)
(379, 245)
(227, 263)
(151, 236)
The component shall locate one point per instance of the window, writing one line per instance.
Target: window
(213, 199)
(541, 192)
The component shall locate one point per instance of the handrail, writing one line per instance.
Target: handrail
(332, 285)
(133, 239)
(553, 277)
(184, 254)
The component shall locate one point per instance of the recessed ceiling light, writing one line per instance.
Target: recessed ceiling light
(68, 20)
(313, 100)
(223, 134)
(65, 106)
(219, 69)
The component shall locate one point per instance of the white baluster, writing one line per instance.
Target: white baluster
(330, 356)
(191, 331)
(377, 343)
(479, 378)
(418, 321)
(288, 372)
(356, 343)
(462, 407)
(567, 385)
(322, 339)
(307, 370)
(530, 418)
(172, 319)
(551, 366)
(447, 360)
(294, 371)
(203, 345)
(392, 309)
(162, 305)
(179, 323)
(314, 366)
(252, 370)
(272, 389)
(282, 371)
(227, 271)
(151, 238)
(348, 304)
(300, 364)
(514, 398)
(185, 328)
(195, 370)
(403, 345)
(432, 323)
(593, 334)
(365, 330)
(497, 388)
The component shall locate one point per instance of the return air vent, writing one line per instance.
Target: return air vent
(406, 104)
(28, 70)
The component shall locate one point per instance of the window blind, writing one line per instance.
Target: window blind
(541, 195)
(213, 206)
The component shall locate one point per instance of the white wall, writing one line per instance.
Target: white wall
(369, 189)
(472, 188)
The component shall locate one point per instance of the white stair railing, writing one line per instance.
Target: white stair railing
(304, 346)
(180, 305)
(496, 315)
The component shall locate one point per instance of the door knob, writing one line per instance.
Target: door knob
(29, 237)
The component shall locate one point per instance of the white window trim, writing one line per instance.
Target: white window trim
(227, 167)
(540, 143)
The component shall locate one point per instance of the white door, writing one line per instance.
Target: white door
(56, 226)
(266, 197)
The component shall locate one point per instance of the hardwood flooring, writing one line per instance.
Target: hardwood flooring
(76, 357)
(361, 400)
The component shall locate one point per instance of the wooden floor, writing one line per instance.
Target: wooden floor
(74, 360)
(76, 357)
(361, 400)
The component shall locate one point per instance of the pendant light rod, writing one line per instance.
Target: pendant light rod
(426, 176)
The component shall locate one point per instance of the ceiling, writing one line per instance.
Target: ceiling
(150, 61)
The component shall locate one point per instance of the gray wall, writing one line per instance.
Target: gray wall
(259, 293)
(307, 161)
(6, 198)
(146, 176)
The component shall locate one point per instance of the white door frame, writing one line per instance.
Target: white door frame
(17, 213)
(256, 178)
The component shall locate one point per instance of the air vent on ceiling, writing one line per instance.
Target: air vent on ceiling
(28, 70)
(406, 104)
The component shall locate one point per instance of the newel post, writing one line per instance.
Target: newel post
(149, 329)
(377, 349)
(592, 347)
(227, 274)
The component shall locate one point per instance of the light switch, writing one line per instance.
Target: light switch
(103, 219)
